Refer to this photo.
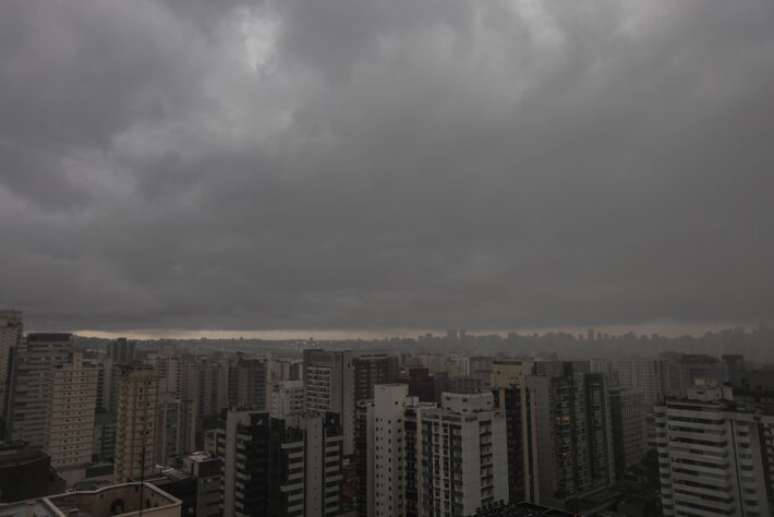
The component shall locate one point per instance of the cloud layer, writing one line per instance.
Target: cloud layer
(383, 164)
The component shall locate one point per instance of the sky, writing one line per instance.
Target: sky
(374, 164)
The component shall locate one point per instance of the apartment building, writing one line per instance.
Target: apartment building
(136, 423)
(31, 385)
(71, 418)
(715, 455)
(568, 434)
(11, 331)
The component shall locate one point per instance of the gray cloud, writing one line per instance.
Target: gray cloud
(351, 164)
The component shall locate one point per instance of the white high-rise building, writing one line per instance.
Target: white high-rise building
(714, 455)
(386, 449)
(427, 460)
(71, 417)
(11, 329)
(465, 443)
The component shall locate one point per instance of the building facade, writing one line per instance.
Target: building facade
(715, 456)
(11, 331)
(31, 385)
(568, 435)
(136, 424)
(71, 419)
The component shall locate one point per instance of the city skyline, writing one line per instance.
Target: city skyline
(666, 329)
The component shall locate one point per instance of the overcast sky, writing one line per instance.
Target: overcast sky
(379, 164)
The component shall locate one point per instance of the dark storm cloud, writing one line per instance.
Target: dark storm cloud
(367, 163)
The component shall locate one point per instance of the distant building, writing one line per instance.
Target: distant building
(627, 415)
(683, 371)
(170, 432)
(734, 371)
(247, 380)
(213, 394)
(11, 331)
(421, 384)
(643, 375)
(287, 399)
(285, 370)
(481, 369)
(121, 351)
(508, 372)
(460, 384)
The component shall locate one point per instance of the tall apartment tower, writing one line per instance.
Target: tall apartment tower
(568, 434)
(715, 456)
(509, 401)
(334, 381)
(323, 463)
(30, 392)
(247, 384)
(136, 424)
(425, 460)
(73, 398)
(121, 351)
(386, 447)
(481, 369)
(627, 413)
(734, 370)
(170, 431)
(643, 375)
(280, 467)
(464, 443)
(11, 331)
(213, 387)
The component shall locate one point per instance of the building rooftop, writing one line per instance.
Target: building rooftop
(109, 501)
(523, 510)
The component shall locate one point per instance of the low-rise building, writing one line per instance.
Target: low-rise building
(127, 500)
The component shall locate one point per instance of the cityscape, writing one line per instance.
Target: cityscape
(552, 424)
(386, 258)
